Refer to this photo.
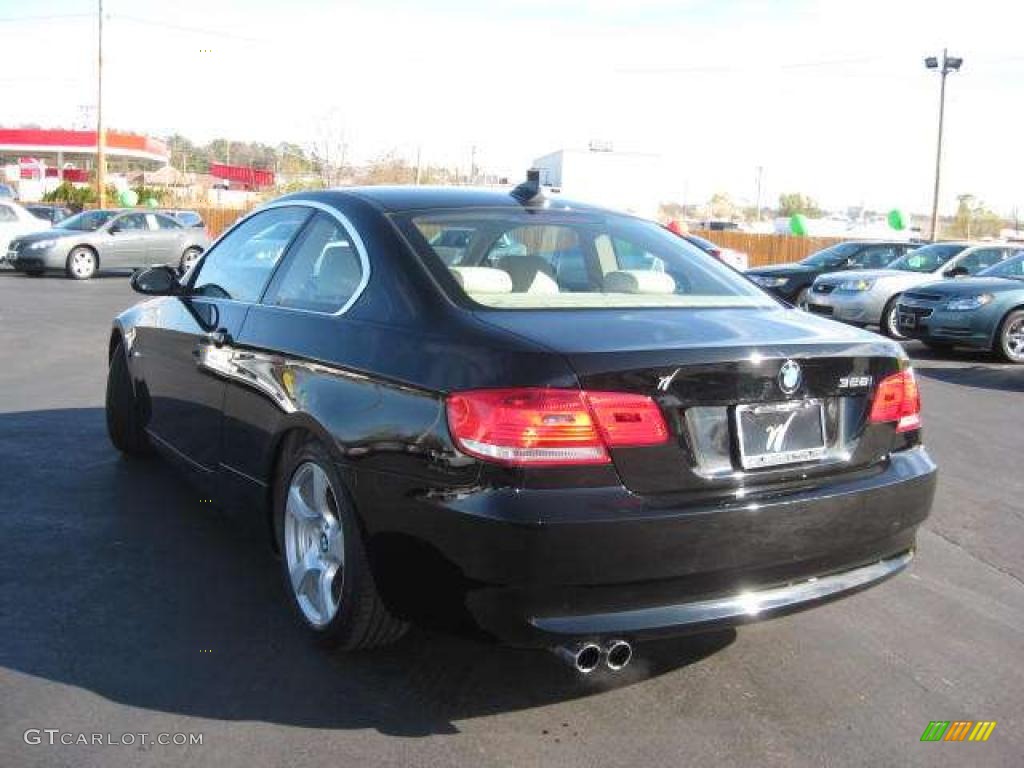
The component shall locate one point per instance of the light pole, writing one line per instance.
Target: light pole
(946, 65)
(101, 134)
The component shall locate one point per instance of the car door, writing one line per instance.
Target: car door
(299, 319)
(165, 244)
(185, 346)
(125, 242)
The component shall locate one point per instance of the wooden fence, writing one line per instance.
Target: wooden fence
(769, 249)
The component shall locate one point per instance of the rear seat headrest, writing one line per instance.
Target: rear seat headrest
(482, 279)
(639, 281)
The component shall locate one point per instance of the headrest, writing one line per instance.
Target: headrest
(639, 281)
(530, 274)
(482, 279)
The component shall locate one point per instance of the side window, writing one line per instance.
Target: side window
(981, 259)
(323, 270)
(240, 264)
(7, 213)
(875, 256)
(164, 222)
(132, 222)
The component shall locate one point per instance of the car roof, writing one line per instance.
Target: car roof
(393, 199)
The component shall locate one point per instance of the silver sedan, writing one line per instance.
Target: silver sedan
(82, 244)
(869, 297)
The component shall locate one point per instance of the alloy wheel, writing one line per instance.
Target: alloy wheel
(314, 544)
(892, 323)
(1013, 339)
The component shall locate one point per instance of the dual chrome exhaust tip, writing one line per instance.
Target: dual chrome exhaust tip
(585, 657)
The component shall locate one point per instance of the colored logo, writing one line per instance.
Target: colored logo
(958, 730)
(790, 377)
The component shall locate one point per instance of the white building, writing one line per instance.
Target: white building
(627, 181)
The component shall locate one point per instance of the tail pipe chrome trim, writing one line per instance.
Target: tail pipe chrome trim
(735, 608)
(583, 657)
(617, 654)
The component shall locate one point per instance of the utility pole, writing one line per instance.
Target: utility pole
(948, 64)
(419, 151)
(101, 134)
(472, 164)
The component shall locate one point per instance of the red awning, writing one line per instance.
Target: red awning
(240, 174)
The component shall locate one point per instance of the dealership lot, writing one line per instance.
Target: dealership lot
(128, 604)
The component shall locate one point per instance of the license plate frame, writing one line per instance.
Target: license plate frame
(784, 414)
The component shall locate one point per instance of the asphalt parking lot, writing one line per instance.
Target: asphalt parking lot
(127, 604)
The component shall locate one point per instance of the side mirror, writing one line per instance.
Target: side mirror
(113, 229)
(156, 281)
(956, 272)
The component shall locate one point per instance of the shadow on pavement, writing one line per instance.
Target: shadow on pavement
(1006, 379)
(118, 579)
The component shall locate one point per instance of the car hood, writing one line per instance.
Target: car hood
(782, 270)
(970, 286)
(54, 233)
(876, 274)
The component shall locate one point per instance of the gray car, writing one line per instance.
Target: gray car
(108, 239)
(869, 297)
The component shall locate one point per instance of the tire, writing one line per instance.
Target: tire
(333, 591)
(188, 258)
(1010, 338)
(124, 422)
(82, 263)
(889, 321)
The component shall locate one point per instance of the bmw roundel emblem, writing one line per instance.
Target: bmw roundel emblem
(790, 377)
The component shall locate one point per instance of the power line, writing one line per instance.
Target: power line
(48, 17)
(183, 28)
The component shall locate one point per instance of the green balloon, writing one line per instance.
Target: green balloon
(152, 202)
(798, 224)
(128, 198)
(897, 220)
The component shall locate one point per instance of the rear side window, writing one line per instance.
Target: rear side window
(323, 271)
(552, 259)
(165, 222)
(240, 264)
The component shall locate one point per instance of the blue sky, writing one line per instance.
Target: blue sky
(830, 98)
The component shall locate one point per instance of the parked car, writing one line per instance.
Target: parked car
(668, 451)
(869, 297)
(7, 192)
(49, 212)
(15, 221)
(984, 312)
(735, 259)
(84, 243)
(792, 282)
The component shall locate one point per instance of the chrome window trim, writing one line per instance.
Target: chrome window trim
(357, 239)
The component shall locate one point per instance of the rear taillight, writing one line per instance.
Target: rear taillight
(898, 399)
(551, 427)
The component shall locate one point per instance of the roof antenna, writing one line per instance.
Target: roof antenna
(530, 190)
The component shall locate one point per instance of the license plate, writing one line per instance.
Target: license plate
(907, 321)
(771, 434)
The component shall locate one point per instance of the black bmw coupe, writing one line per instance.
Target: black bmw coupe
(564, 428)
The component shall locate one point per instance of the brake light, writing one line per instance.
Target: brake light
(898, 399)
(551, 427)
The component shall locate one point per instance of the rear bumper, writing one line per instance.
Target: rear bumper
(538, 567)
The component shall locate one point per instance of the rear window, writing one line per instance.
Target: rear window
(544, 259)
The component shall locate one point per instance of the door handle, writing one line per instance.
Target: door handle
(219, 338)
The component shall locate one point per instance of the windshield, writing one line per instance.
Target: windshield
(927, 258)
(1013, 268)
(546, 259)
(833, 256)
(87, 221)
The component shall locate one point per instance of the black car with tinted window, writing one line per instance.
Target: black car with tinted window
(580, 433)
(792, 282)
